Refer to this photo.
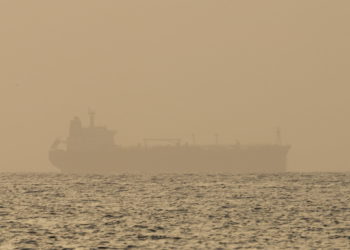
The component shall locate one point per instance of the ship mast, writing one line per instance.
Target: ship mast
(216, 139)
(194, 139)
(278, 136)
(92, 118)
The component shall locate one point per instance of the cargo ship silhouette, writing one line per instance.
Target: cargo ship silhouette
(91, 150)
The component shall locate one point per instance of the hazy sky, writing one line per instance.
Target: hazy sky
(173, 68)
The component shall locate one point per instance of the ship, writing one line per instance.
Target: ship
(92, 149)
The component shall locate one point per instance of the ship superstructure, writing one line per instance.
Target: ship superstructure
(91, 149)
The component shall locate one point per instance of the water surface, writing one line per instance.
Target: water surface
(281, 211)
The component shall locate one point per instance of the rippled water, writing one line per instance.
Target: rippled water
(47, 211)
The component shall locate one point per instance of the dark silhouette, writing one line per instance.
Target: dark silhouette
(92, 150)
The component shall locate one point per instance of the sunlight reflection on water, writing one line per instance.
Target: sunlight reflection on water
(43, 211)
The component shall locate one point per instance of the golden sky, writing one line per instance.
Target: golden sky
(160, 68)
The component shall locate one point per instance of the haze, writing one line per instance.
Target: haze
(173, 68)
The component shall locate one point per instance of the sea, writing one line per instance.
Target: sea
(175, 211)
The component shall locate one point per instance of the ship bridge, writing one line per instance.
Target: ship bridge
(89, 138)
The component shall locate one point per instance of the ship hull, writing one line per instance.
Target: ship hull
(258, 159)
